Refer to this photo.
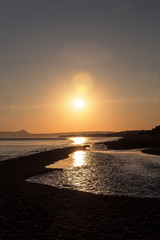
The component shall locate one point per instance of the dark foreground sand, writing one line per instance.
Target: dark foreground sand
(34, 211)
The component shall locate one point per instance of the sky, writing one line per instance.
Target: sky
(104, 52)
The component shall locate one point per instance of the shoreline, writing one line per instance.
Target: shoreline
(35, 211)
(153, 151)
(148, 144)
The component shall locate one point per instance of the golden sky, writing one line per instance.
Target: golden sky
(104, 54)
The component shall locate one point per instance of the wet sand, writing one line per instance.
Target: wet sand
(35, 211)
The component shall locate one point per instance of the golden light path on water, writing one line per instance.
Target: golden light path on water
(78, 140)
(76, 159)
(78, 156)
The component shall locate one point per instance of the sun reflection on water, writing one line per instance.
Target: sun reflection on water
(78, 140)
(78, 158)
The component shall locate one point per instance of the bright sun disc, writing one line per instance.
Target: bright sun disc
(79, 103)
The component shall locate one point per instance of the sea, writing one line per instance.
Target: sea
(96, 170)
(12, 148)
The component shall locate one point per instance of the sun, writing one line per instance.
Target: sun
(79, 103)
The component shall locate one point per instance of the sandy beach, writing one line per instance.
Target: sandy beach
(35, 211)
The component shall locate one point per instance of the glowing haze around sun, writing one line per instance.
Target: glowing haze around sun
(79, 103)
(81, 84)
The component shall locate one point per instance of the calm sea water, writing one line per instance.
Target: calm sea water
(14, 148)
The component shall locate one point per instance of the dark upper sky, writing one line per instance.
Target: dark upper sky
(44, 43)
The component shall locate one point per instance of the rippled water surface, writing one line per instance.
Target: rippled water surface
(129, 173)
(10, 148)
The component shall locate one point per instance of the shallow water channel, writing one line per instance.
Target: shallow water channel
(100, 171)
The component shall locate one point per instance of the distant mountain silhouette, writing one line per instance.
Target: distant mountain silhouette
(24, 134)
(21, 133)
